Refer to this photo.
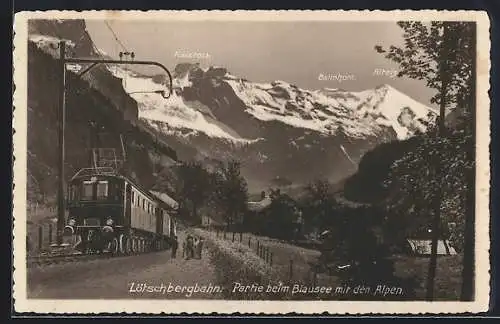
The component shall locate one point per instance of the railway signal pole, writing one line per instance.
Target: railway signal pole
(63, 61)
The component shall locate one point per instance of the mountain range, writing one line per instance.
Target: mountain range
(276, 129)
(282, 135)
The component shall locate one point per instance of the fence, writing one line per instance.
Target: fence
(293, 269)
(39, 212)
(40, 237)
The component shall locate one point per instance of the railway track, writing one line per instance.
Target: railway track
(43, 260)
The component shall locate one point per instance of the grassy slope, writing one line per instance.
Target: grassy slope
(448, 276)
(447, 285)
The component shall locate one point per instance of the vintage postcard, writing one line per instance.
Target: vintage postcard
(251, 161)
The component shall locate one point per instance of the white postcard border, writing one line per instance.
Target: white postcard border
(482, 282)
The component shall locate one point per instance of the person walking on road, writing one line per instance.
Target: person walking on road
(197, 247)
(200, 248)
(189, 247)
(175, 244)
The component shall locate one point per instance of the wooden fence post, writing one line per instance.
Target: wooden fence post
(241, 237)
(249, 238)
(291, 269)
(50, 234)
(233, 237)
(258, 244)
(40, 238)
(271, 259)
(224, 234)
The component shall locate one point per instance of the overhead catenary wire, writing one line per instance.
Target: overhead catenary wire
(124, 80)
(118, 42)
(115, 36)
(125, 51)
(130, 54)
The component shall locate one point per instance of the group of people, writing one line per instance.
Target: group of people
(192, 247)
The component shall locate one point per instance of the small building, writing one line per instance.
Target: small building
(424, 247)
(209, 221)
(257, 206)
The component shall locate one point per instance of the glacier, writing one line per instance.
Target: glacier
(326, 111)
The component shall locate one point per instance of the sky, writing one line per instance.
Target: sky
(309, 54)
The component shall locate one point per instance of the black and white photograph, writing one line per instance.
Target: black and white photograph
(238, 158)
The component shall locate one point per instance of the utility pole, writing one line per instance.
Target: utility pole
(62, 125)
(62, 117)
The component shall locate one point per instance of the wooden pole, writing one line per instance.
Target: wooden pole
(61, 129)
(40, 238)
(50, 234)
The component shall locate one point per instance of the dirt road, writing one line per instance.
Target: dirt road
(152, 275)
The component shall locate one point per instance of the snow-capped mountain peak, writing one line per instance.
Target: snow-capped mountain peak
(327, 111)
(358, 114)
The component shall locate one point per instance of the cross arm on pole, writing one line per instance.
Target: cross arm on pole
(87, 69)
(95, 62)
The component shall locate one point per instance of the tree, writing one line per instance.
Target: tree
(194, 186)
(319, 204)
(230, 192)
(281, 216)
(467, 99)
(442, 54)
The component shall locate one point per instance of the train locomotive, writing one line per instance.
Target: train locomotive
(109, 212)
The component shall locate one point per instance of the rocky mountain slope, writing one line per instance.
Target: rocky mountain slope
(98, 112)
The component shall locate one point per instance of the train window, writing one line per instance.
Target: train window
(87, 190)
(102, 189)
(143, 204)
(132, 197)
(91, 221)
